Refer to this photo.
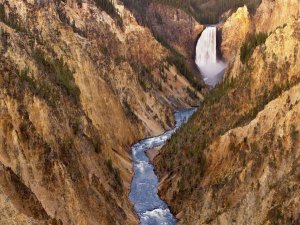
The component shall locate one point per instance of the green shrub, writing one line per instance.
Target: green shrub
(4, 38)
(110, 9)
(39, 88)
(129, 112)
(97, 146)
(109, 165)
(62, 73)
(64, 77)
(118, 183)
(2, 13)
(191, 93)
(23, 74)
(219, 91)
(159, 84)
(145, 77)
(294, 133)
(248, 46)
(254, 147)
(179, 61)
(11, 20)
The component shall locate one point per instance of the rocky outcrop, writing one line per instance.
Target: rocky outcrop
(240, 25)
(60, 156)
(242, 169)
(234, 33)
(251, 174)
(174, 26)
(20, 205)
(272, 14)
(78, 87)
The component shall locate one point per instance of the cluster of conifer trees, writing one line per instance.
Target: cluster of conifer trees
(209, 12)
(249, 45)
(110, 9)
(205, 11)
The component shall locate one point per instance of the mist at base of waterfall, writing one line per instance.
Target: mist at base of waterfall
(212, 72)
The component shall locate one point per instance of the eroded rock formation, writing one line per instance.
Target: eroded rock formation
(78, 87)
(237, 160)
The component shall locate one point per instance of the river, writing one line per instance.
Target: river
(147, 204)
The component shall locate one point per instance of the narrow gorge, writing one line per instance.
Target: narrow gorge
(237, 160)
(144, 187)
(150, 208)
(154, 112)
(79, 85)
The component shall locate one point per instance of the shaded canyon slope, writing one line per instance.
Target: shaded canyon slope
(169, 23)
(178, 24)
(237, 160)
(175, 28)
(78, 87)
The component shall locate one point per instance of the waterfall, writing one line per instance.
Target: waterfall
(207, 47)
(206, 57)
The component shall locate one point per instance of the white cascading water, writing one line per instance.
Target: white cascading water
(206, 57)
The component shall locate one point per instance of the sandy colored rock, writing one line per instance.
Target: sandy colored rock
(236, 161)
(234, 32)
(152, 153)
(174, 26)
(70, 150)
(272, 14)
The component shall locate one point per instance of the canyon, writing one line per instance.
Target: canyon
(78, 88)
(237, 160)
(87, 86)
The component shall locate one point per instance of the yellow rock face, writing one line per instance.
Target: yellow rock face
(272, 14)
(242, 148)
(73, 155)
(234, 32)
(254, 167)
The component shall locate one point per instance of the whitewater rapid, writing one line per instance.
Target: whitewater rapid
(143, 193)
(206, 59)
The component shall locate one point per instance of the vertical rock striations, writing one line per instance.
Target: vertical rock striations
(234, 33)
(237, 160)
(80, 82)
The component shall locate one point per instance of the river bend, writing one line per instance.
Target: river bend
(147, 204)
